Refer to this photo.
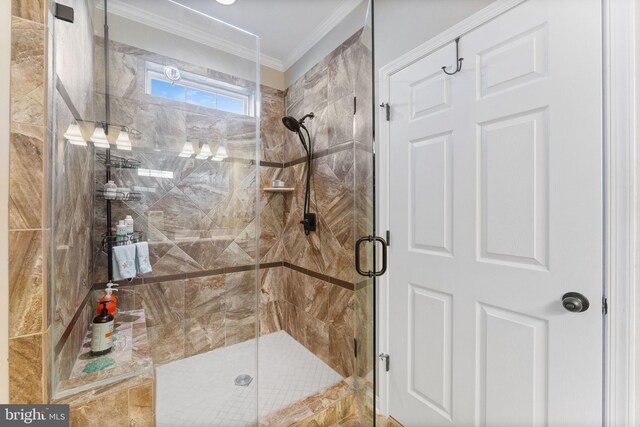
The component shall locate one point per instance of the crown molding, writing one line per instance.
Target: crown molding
(320, 32)
(129, 11)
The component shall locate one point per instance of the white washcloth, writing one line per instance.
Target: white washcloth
(142, 258)
(124, 262)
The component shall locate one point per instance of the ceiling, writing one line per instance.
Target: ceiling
(287, 28)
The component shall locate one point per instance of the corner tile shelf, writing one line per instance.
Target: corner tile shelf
(131, 356)
(278, 190)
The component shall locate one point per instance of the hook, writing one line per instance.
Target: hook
(459, 60)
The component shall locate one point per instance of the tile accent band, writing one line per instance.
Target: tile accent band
(67, 99)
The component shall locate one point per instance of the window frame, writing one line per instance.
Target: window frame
(189, 80)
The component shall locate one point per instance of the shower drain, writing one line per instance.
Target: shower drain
(244, 380)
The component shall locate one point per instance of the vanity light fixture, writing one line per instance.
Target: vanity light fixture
(74, 136)
(205, 152)
(187, 150)
(99, 138)
(123, 142)
(226, 2)
(221, 152)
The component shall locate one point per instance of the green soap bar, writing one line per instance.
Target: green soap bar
(98, 365)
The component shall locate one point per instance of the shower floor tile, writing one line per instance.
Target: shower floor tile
(200, 390)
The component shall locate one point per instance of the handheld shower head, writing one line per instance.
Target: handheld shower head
(297, 126)
(292, 124)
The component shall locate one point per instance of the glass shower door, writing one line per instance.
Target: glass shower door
(367, 244)
(150, 97)
(198, 114)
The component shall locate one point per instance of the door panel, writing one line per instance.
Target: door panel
(513, 190)
(496, 211)
(511, 356)
(430, 329)
(431, 185)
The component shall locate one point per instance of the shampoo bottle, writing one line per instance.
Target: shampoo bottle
(121, 232)
(102, 332)
(128, 222)
(110, 190)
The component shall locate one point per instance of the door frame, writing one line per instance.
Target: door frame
(619, 204)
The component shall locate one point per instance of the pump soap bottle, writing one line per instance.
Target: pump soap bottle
(102, 331)
(109, 298)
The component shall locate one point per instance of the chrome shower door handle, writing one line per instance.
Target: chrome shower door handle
(384, 256)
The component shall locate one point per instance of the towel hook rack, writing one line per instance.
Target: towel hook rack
(458, 60)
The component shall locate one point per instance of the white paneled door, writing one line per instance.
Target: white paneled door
(495, 214)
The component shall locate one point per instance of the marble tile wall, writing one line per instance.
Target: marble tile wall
(129, 402)
(204, 218)
(341, 197)
(28, 225)
(319, 315)
(194, 315)
(325, 408)
(328, 90)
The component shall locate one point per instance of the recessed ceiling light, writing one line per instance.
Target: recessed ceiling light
(226, 2)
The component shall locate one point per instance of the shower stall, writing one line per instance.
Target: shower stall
(252, 312)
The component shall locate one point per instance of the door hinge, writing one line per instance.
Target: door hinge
(605, 305)
(64, 13)
(355, 348)
(387, 110)
(355, 103)
(388, 238)
(385, 357)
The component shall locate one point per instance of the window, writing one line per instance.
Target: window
(194, 89)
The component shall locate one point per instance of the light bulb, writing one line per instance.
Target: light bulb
(226, 2)
(74, 136)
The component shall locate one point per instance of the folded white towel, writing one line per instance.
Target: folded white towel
(142, 258)
(124, 262)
